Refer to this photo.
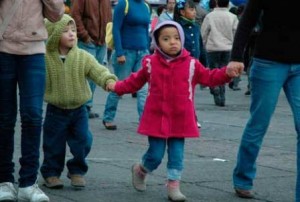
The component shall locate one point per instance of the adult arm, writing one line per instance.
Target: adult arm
(247, 22)
(53, 10)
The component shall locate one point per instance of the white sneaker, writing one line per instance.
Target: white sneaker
(198, 125)
(7, 192)
(33, 194)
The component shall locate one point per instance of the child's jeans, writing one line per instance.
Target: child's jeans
(155, 153)
(64, 126)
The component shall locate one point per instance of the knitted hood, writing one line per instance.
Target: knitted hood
(164, 23)
(55, 31)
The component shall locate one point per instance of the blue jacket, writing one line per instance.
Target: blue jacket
(193, 40)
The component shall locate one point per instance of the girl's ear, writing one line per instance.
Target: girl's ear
(182, 12)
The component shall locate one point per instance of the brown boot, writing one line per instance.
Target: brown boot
(53, 183)
(138, 177)
(77, 181)
(174, 193)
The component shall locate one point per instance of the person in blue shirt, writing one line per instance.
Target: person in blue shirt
(131, 41)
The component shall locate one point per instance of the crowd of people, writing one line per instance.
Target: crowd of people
(55, 52)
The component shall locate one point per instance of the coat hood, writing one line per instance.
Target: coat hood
(165, 23)
(55, 31)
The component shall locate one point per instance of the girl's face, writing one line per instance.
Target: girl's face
(169, 41)
(188, 12)
(68, 37)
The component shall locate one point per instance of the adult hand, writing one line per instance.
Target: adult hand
(121, 60)
(234, 69)
(90, 40)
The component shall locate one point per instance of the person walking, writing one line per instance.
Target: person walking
(66, 120)
(218, 30)
(91, 18)
(275, 66)
(128, 29)
(169, 115)
(22, 67)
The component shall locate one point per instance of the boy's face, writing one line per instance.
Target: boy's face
(68, 38)
(169, 41)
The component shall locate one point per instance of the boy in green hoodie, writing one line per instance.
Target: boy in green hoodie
(67, 90)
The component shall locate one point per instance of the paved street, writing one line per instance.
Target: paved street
(209, 160)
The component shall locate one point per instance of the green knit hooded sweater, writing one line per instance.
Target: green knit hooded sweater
(66, 82)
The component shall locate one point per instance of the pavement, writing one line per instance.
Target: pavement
(209, 160)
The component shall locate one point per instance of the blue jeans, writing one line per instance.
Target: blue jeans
(99, 53)
(122, 71)
(155, 153)
(64, 126)
(267, 80)
(28, 73)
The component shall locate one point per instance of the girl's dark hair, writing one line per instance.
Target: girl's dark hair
(180, 5)
(157, 32)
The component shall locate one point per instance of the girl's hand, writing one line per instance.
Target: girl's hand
(121, 60)
(234, 69)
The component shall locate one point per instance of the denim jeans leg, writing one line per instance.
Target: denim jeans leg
(8, 114)
(291, 89)
(80, 142)
(55, 131)
(122, 71)
(175, 158)
(155, 153)
(267, 79)
(31, 80)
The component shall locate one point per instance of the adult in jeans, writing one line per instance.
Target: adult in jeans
(131, 41)
(91, 18)
(22, 65)
(275, 66)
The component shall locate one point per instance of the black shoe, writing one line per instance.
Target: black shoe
(93, 115)
(248, 92)
(109, 127)
(244, 193)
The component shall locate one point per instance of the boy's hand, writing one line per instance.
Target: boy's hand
(234, 69)
(111, 86)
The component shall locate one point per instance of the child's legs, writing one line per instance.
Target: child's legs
(54, 141)
(155, 153)
(175, 158)
(79, 141)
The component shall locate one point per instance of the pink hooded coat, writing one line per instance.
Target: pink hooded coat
(169, 109)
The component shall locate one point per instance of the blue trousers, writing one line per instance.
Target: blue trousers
(267, 79)
(62, 127)
(27, 72)
(155, 153)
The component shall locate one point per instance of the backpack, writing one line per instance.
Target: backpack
(109, 26)
(109, 35)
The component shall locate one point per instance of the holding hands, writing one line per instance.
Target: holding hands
(111, 86)
(234, 69)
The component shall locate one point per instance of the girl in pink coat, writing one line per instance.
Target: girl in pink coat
(169, 114)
